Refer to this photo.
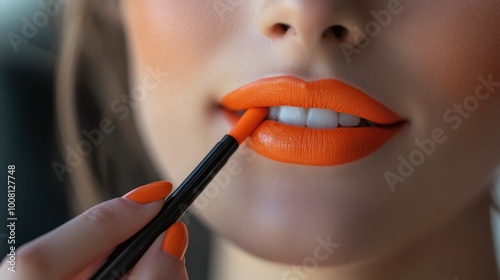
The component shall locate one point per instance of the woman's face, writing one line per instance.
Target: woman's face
(436, 64)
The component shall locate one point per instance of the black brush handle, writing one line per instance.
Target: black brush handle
(128, 253)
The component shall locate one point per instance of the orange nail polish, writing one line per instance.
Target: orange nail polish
(176, 240)
(150, 192)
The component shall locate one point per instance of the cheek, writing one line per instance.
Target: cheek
(178, 127)
(465, 61)
(448, 54)
(457, 43)
(178, 35)
(179, 39)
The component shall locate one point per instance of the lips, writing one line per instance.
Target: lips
(312, 146)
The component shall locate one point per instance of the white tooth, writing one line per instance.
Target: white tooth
(292, 115)
(348, 120)
(273, 113)
(322, 118)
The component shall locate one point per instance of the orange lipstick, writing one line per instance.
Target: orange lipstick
(311, 146)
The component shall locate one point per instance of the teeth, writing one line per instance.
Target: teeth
(315, 118)
(349, 120)
(292, 115)
(322, 118)
(273, 113)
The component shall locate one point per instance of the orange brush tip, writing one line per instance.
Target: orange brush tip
(248, 123)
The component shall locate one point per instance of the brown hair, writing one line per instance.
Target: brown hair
(92, 74)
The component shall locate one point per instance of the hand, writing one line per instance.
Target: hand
(75, 249)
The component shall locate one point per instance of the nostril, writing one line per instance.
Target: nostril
(280, 28)
(337, 31)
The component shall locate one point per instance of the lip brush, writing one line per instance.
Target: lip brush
(128, 253)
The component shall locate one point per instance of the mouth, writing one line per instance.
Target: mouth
(321, 123)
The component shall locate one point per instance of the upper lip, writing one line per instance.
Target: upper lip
(323, 94)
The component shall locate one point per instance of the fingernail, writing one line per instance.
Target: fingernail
(150, 192)
(176, 240)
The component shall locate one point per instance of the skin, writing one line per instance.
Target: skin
(425, 62)
(427, 59)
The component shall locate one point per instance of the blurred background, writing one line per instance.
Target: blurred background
(28, 138)
(29, 45)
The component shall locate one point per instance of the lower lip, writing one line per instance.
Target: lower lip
(318, 147)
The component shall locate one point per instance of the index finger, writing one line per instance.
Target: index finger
(70, 248)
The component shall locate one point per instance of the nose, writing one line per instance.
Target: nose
(308, 21)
